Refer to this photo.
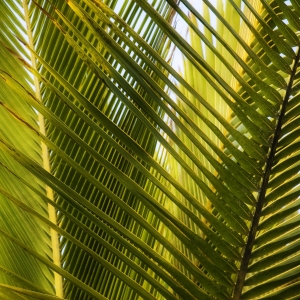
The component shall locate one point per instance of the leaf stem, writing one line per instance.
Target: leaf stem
(45, 156)
(261, 197)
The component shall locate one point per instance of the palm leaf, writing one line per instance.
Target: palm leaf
(157, 183)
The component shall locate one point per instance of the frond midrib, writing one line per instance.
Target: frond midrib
(264, 186)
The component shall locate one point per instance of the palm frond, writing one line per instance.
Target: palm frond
(167, 183)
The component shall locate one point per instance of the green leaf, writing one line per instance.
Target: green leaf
(149, 149)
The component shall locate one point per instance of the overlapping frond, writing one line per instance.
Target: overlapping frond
(168, 183)
(17, 267)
